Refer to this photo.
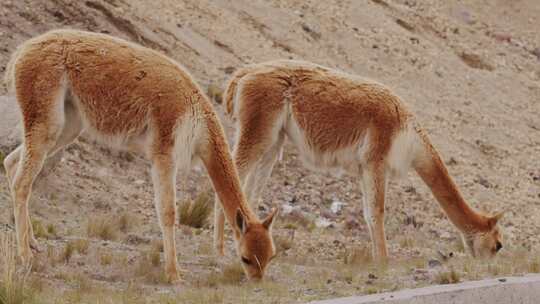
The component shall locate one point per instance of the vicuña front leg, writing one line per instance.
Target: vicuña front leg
(374, 190)
(163, 178)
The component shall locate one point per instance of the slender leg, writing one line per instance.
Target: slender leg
(374, 188)
(164, 180)
(72, 128)
(32, 158)
(255, 182)
(10, 164)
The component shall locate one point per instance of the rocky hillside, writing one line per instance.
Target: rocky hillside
(470, 70)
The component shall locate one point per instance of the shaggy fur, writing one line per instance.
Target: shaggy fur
(128, 96)
(341, 121)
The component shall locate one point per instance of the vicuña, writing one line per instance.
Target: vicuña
(67, 81)
(337, 120)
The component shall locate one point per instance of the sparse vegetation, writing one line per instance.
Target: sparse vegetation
(81, 246)
(195, 213)
(148, 267)
(230, 275)
(66, 254)
(447, 277)
(105, 258)
(39, 230)
(102, 228)
(125, 222)
(357, 256)
(13, 289)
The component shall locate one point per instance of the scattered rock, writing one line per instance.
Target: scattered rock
(323, 223)
(313, 33)
(352, 222)
(410, 189)
(475, 61)
(482, 181)
(337, 206)
(502, 37)
(229, 69)
(536, 52)
(434, 263)
(134, 239)
(404, 24)
(451, 162)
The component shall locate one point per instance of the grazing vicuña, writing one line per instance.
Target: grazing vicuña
(341, 121)
(67, 81)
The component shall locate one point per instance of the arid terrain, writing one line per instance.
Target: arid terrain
(470, 70)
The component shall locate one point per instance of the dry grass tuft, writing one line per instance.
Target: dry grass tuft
(105, 258)
(447, 277)
(102, 228)
(148, 267)
(39, 230)
(195, 213)
(357, 256)
(67, 253)
(125, 222)
(231, 275)
(13, 289)
(81, 246)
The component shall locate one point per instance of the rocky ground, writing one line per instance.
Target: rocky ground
(470, 70)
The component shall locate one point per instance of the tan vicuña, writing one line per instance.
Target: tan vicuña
(67, 81)
(345, 122)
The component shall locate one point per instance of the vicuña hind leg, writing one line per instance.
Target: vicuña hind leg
(374, 189)
(70, 130)
(37, 143)
(164, 180)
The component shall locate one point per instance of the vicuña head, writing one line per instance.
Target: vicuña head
(254, 244)
(485, 244)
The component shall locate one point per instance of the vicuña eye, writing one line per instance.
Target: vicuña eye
(246, 261)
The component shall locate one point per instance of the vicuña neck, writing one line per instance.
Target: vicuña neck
(223, 173)
(434, 173)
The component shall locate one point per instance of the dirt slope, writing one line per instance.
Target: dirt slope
(470, 70)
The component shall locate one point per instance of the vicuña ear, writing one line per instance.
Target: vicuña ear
(241, 221)
(269, 220)
(495, 218)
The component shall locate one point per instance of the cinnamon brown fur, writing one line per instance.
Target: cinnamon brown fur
(341, 121)
(67, 81)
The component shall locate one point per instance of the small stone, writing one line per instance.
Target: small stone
(337, 206)
(410, 189)
(536, 52)
(372, 276)
(482, 181)
(323, 223)
(229, 70)
(434, 263)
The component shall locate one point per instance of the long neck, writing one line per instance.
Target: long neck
(434, 173)
(223, 173)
